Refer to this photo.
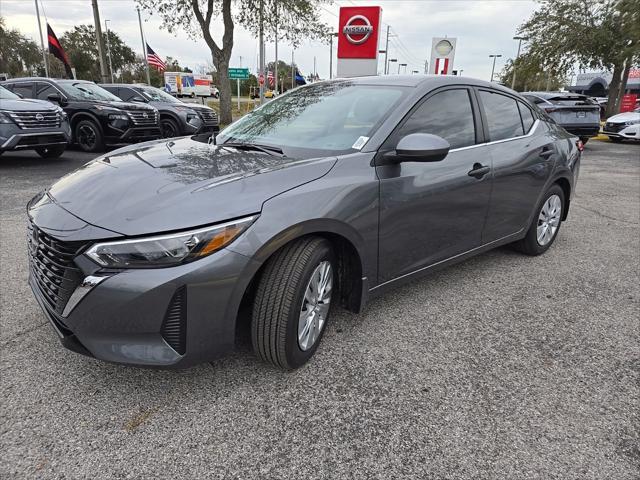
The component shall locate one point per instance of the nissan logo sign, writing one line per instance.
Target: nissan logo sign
(363, 32)
(145, 115)
(39, 117)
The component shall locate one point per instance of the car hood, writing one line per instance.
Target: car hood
(123, 105)
(179, 184)
(27, 105)
(624, 117)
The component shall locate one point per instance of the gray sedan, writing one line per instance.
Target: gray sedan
(324, 197)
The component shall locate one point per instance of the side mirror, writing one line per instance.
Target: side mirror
(138, 99)
(419, 147)
(56, 98)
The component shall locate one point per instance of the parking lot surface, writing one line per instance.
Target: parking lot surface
(505, 366)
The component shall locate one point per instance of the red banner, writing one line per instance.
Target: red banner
(628, 103)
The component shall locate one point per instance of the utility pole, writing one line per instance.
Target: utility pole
(100, 40)
(386, 52)
(106, 30)
(331, 35)
(44, 52)
(261, 42)
(494, 65)
(293, 72)
(144, 49)
(515, 64)
(275, 73)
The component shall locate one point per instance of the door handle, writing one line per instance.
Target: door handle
(546, 152)
(479, 170)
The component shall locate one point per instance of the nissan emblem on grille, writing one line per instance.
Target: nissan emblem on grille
(39, 117)
(145, 115)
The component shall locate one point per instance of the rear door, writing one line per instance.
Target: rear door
(431, 211)
(523, 152)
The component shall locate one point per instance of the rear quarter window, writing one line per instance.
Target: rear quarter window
(527, 117)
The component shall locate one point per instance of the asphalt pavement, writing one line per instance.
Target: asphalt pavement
(505, 366)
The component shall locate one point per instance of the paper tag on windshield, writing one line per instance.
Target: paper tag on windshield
(360, 143)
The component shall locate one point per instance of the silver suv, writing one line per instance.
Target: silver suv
(32, 124)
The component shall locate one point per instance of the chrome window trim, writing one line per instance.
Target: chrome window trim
(534, 127)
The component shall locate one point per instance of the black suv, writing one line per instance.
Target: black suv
(97, 117)
(176, 117)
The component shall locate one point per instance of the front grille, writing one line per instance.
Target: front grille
(31, 120)
(51, 263)
(143, 118)
(209, 117)
(36, 139)
(614, 127)
(174, 326)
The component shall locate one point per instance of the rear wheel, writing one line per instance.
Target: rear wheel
(546, 223)
(88, 136)
(584, 140)
(53, 151)
(293, 303)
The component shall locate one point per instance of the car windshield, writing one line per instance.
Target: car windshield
(319, 119)
(571, 100)
(7, 95)
(87, 91)
(157, 95)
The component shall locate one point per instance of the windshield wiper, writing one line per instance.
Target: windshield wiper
(276, 151)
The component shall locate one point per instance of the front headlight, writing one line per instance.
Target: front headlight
(632, 122)
(168, 250)
(4, 118)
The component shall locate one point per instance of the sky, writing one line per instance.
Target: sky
(481, 28)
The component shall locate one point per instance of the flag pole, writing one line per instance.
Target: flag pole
(44, 52)
(144, 48)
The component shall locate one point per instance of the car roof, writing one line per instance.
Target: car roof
(45, 79)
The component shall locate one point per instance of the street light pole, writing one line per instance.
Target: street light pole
(391, 60)
(106, 30)
(493, 68)
(515, 64)
(402, 65)
(386, 51)
(100, 41)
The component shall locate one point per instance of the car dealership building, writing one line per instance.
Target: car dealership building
(596, 84)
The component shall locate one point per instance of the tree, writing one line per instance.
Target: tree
(296, 20)
(19, 55)
(82, 49)
(602, 34)
(531, 74)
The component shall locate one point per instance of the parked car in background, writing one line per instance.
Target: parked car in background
(98, 118)
(176, 117)
(215, 93)
(319, 198)
(577, 114)
(623, 126)
(33, 125)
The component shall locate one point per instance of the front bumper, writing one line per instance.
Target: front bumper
(631, 132)
(133, 135)
(30, 139)
(124, 318)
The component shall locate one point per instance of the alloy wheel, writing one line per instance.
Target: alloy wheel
(87, 136)
(549, 220)
(315, 305)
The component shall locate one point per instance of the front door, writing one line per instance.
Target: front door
(432, 211)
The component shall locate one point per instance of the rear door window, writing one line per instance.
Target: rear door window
(503, 116)
(447, 114)
(24, 89)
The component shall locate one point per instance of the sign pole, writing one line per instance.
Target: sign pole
(44, 52)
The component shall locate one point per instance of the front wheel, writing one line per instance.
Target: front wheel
(584, 140)
(293, 302)
(546, 223)
(51, 152)
(169, 128)
(615, 139)
(88, 136)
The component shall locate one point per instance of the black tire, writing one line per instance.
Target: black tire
(88, 136)
(529, 244)
(169, 128)
(279, 301)
(584, 140)
(53, 151)
(615, 139)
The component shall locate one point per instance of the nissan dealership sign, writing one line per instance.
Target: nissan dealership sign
(358, 33)
(443, 50)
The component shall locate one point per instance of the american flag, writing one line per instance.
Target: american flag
(270, 78)
(154, 60)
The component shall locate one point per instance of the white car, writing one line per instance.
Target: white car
(623, 126)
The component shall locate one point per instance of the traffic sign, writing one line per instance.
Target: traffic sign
(238, 73)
